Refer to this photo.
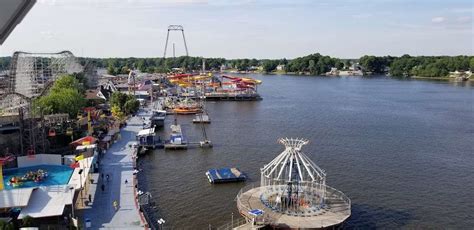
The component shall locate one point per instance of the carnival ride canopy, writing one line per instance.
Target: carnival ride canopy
(293, 165)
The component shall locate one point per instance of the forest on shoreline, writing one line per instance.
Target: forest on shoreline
(313, 64)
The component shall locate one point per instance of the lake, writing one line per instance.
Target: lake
(402, 150)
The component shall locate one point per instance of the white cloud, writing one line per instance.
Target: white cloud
(462, 10)
(464, 19)
(438, 19)
(362, 16)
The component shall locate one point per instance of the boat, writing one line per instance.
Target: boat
(202, 118)
(184, 110)
(225, 175)
(177, 140)
(147, 139)
(187, 106)
(158, 118)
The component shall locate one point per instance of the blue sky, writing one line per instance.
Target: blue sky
(247, 28)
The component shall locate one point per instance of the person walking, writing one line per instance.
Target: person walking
(102, 187)
(115, 204)
(126, 181)
(90, 198)
(107, 177)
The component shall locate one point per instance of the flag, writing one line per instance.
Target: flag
(80, 157)
(74, 165)
(1, 177)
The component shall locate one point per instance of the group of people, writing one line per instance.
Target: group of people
(35, 176)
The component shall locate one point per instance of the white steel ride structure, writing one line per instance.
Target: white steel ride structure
(293, 193)
(31, 73)
(295, 181)
(175, 28)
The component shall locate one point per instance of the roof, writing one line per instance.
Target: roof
(92, 94)
(11, 14)
(47, 201)
(81, 141)
(78, 180)
(106, 139)
(281, 168)
(15, 197)
(146, 132)
(85, 147)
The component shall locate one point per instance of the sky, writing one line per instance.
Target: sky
(247, 28)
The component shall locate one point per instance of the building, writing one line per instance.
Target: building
(280, 67)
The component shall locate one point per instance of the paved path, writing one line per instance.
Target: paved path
(118, 164)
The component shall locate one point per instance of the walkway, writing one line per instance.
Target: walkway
(118, 164)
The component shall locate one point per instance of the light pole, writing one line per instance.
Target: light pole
(80, 182)
(72, 199)
(161, 222)
(232, 226)
(42, 128)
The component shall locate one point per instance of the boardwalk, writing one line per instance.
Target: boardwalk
(118, 164)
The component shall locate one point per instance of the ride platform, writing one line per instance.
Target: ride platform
(225, 175)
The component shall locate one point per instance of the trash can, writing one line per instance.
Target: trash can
(88, 223)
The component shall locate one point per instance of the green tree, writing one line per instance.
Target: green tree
(270, 65)
(312, 67)
(339, 65)
(118, 99)
(117, 113)
(63, 97)
(67, 82)
(111, 70)
(347, 64)
(131, 106)
(27, 221)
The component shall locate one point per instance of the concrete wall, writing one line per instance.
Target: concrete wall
(39, 159)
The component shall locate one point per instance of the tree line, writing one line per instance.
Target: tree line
(314, 64)
(421, 66)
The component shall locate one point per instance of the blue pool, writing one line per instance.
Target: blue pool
(57, 175)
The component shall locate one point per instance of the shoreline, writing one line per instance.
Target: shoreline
(365, 75)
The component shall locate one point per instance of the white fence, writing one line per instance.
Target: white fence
(39, 159)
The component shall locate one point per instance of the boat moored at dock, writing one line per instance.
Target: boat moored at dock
(147, 139)
(202, 118)
(177, 139)
(158, 118)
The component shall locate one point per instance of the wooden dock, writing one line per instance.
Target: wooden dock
(175, 146)
(233, 97)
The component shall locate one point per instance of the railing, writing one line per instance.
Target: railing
(240, 206)
(341, 195)
(331, 194)
(233, 224)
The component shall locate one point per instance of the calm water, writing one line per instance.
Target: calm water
(402, 150)
(57, 175)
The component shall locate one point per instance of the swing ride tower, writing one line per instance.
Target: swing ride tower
(293, 193)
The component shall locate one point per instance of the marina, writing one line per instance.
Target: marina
(118, 137)
(338, 144)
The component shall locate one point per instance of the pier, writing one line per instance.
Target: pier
(232, 97)
(119, 164)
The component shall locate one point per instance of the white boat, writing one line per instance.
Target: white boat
(158, 118)
(177, 140)
(202, 118)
